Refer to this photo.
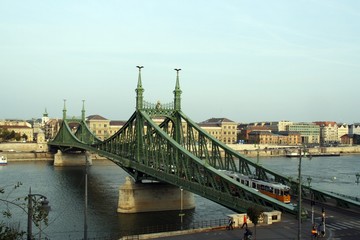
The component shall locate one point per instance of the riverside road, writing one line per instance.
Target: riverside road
(339, 224)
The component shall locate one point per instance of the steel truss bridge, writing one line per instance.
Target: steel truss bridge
(180, 153)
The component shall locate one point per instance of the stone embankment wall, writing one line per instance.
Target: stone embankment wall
(39, 151)
(252, 150)
(28, 156)
(20, 151)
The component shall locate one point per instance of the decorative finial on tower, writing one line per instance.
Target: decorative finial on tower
(177, 78)
(64, 110)
(83, 111)
(139, 78)
(139, 90)
(177, 91)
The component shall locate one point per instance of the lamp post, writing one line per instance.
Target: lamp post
(302, 152)
(311, 201)
(86, 197)
(299, 196)
(44, 205)
(257, 154)
(323, 221)
(181, 214)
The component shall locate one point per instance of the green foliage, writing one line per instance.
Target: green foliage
(6, 135)
(24, 136)
(10, 230)
(254, 213)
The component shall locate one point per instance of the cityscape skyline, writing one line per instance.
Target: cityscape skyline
(246, 61)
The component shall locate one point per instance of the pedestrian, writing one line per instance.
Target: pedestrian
(244, 222)
(247, 234)
(230, 224)
(321, 229)
(314, 231)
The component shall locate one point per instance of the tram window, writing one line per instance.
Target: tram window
(247, 183)
(254, 185)
(242, 181)
(277, 191)
(238, 179)
(262, 187)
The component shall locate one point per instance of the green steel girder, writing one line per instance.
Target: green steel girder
(66, 140)
(148, 151)
(151, 153)
(178, 152)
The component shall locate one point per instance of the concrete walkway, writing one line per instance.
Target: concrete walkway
(286, 229)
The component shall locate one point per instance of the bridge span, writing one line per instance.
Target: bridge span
(182, 154)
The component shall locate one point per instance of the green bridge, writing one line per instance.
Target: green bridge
(180, 153)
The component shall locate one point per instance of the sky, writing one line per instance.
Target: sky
(248, 61)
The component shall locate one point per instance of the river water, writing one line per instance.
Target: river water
(64, 188)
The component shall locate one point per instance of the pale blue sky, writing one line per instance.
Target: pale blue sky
(248, 61)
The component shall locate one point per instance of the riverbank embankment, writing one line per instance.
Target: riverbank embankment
(264, 150)
(34, 151)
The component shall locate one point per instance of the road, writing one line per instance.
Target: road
(339, 224)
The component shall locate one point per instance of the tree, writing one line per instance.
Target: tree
(9, 229)
(25, 137)
(17, 136)
(11, 135)
(254, 214)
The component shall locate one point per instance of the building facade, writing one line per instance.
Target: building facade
(222, 129)
(99, 126)
(354, 128)
(309, 132)
(343, 129)
(243, 134)
(279, 138)
(22, 128)
(328, 132)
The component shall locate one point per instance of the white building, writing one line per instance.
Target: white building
(354, 128)
(343, 129)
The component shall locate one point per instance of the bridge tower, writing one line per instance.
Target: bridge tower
(73, 158)
(136, 196)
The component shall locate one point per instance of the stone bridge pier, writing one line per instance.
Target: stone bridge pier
(151, 197)
(62, 159)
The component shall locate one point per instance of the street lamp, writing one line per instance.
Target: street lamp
(258, 153)
(299, 197)
(301, 153)
(323, 221)
(45, 208)
(181, 214)
(311, 200)
(86, 197)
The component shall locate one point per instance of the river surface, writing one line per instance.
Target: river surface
(64, 188)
